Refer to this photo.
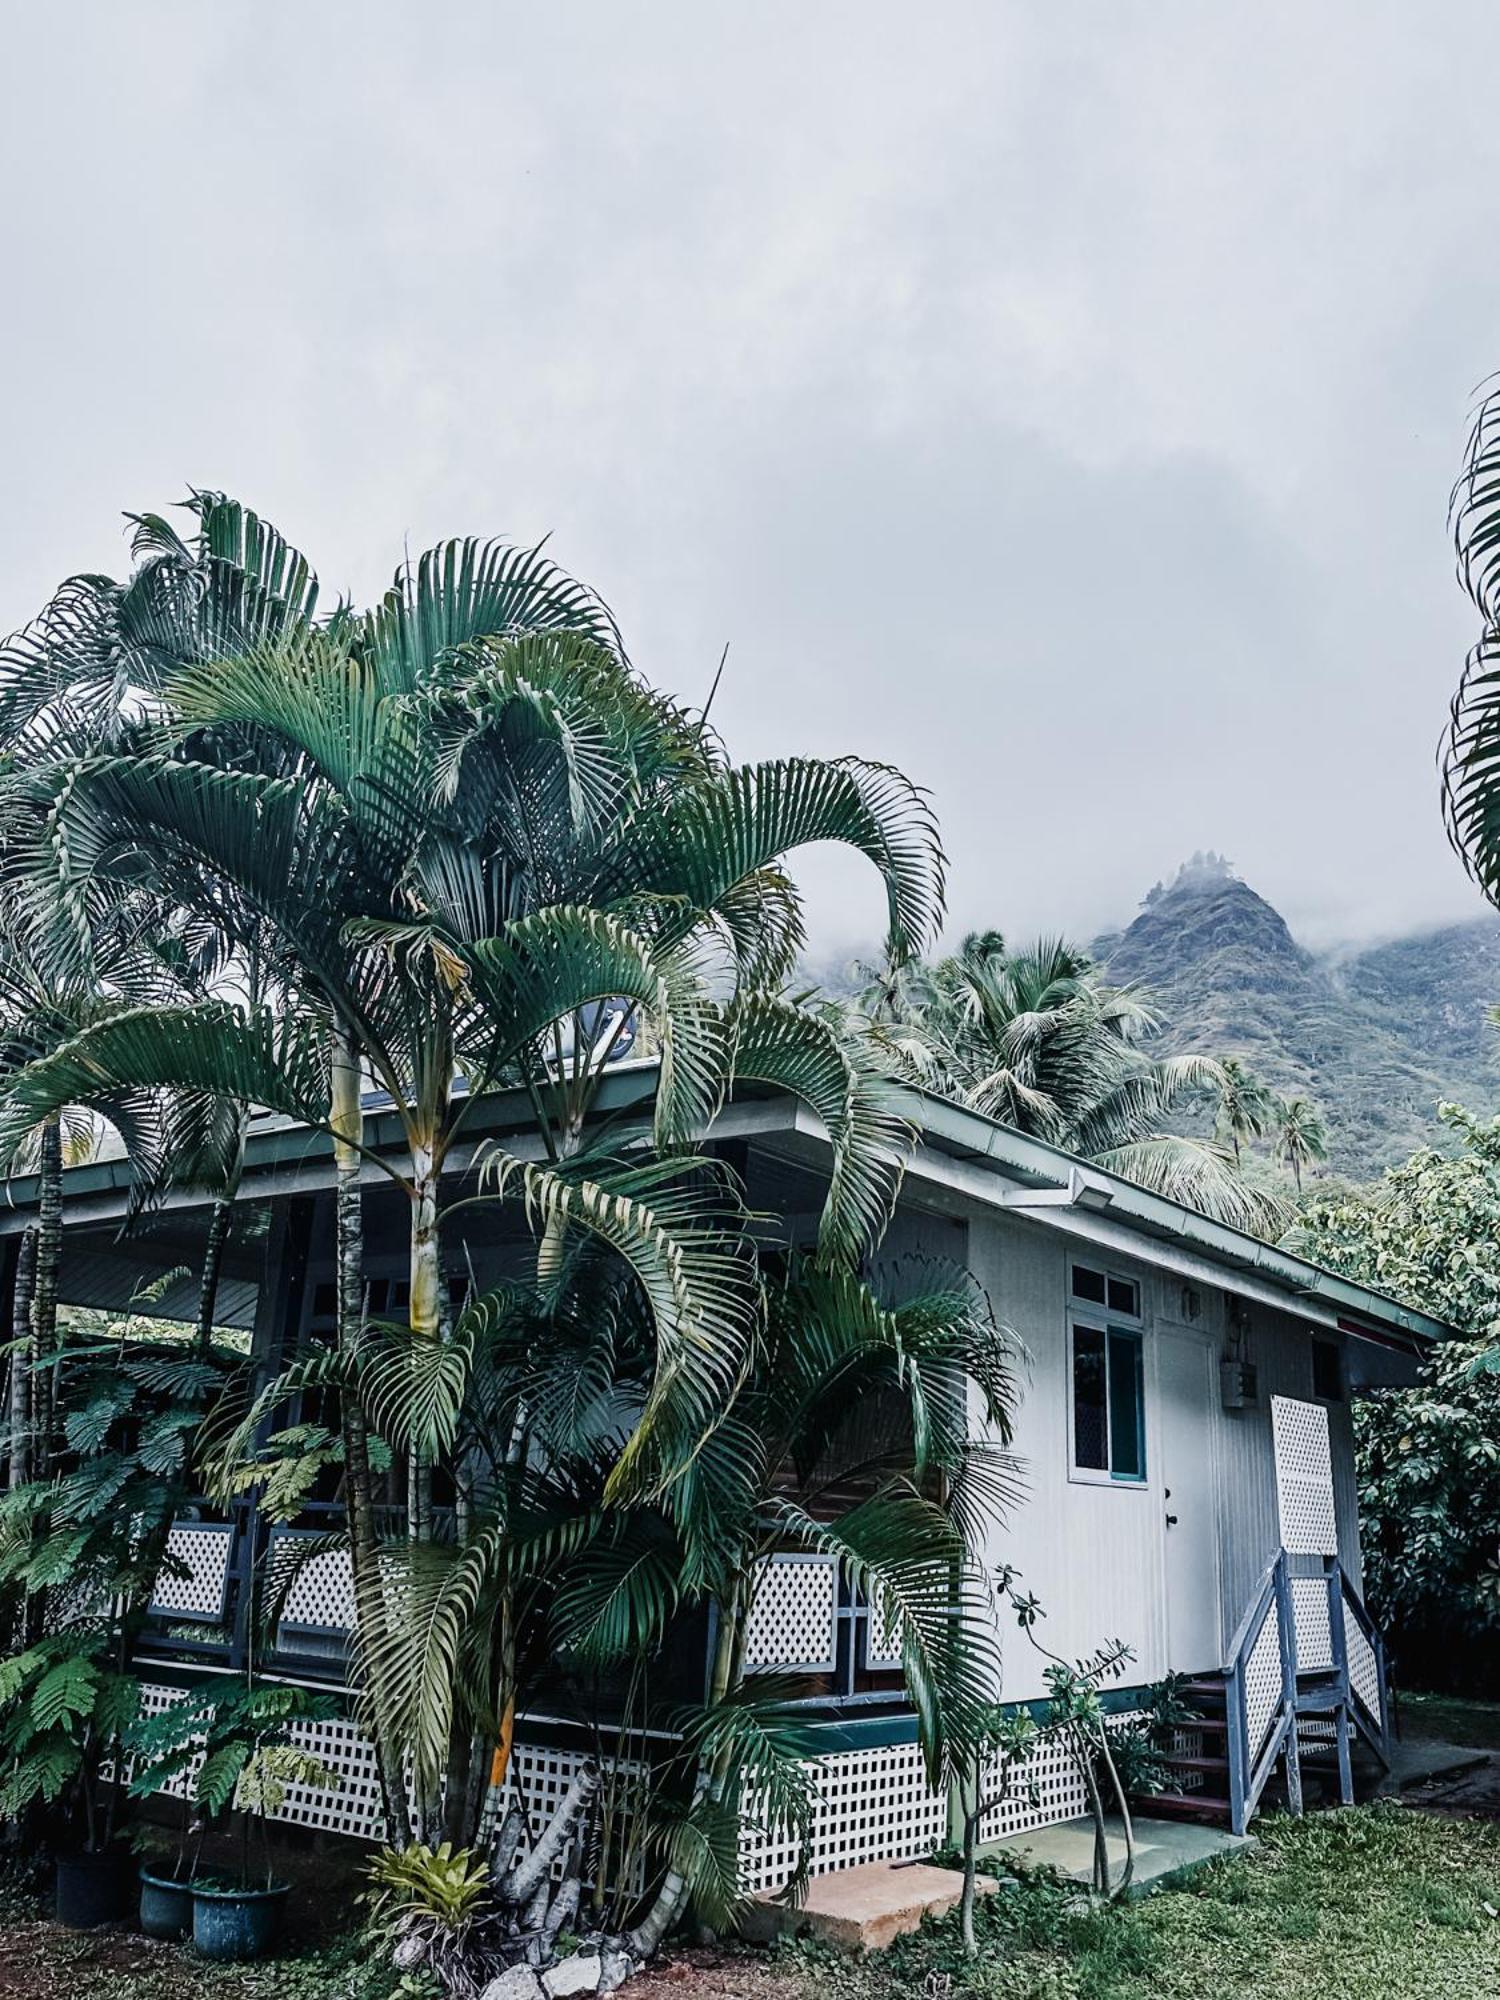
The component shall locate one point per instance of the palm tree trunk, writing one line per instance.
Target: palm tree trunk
(21, 1372)
(44, 1294)
(671, 1898)
(364, 1543)
(213, 1265)
(426, 1318)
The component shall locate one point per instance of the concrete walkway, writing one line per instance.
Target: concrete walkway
(1421, 1762)
(1165, 1850)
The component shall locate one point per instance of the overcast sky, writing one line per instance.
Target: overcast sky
(1060, 402)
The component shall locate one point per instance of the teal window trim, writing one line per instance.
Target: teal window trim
(1106, 1381)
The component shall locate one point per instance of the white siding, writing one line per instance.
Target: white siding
(1093, 1554)
(1090, 1553)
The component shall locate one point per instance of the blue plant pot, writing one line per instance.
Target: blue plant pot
(238, 1923)
(166, 1906)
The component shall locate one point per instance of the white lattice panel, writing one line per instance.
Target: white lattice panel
(1310, 1615)
(873, 1805)
(1364, 1671)
(321, 1596)
(538, 1775)
(204, 1548)
(882, 1652)
(1263, 1682)
(793, 1621)
(1304, 1478)
(1048, 1789)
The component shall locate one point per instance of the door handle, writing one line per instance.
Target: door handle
(1171, 1520)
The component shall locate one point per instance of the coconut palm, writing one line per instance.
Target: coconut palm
(1245, 1108)
(1036, 1038)
(1300, 1134)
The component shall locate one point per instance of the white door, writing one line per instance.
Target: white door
(1190, 1527)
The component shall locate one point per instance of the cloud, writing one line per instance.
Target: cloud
(1059, 403)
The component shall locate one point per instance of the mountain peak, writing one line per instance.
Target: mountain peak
(1377, 1038)
(1204, 871)
(1205, 913)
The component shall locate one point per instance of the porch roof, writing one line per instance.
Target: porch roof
(963, 1159)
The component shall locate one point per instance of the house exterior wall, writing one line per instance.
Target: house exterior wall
(1095, 1553)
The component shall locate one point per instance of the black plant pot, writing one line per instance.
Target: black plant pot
(94, 1889)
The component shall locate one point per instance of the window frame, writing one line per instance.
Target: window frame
(1095, 1318)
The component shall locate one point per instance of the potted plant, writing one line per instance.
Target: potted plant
(232, 1743)
(66, 1708)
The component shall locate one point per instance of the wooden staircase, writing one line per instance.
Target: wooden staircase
(1250, 1724)
(1202, 1793)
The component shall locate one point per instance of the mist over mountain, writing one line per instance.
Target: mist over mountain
(1378, 1036)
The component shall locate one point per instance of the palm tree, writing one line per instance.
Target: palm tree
(450, 828)
(852, 1438)
(1036, 1038)
(1301, 1135)
(1470, 755)
(1246, 1107)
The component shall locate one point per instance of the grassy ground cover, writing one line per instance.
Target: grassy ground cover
(1449, 1719)
(1381, 1900)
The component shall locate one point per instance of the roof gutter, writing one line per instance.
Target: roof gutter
(1057, 1192)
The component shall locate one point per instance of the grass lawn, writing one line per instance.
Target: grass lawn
(1449, 1719)
(1374, 1901)
(1380, 1901)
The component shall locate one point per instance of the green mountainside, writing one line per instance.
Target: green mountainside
(1377, 1038)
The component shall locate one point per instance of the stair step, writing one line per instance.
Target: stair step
(1180, 1762)
(1202, 1686)
(1184, 1805)
(1210, 1725)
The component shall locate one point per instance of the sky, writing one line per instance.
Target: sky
(1058, 402)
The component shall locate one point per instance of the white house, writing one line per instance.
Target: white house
(1185, 1427)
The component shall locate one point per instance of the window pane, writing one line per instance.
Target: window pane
(1088, 1284)
(1125, 1297)
(1126, 1407)
(1090, 1422)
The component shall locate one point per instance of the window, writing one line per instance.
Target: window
(1108, 1376)
(1327, 1371)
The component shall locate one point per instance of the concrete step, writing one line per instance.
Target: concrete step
(861, 1909)
(1188, 1805)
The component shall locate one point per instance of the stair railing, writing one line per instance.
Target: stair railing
(1359, 1648)
(1263, 1701)
(1261, 1696)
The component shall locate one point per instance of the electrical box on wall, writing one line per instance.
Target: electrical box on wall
(1237, 1384)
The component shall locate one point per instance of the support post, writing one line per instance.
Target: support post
(1338, 1645)
(1237, 1744)
(1286, 1624)
(279, 1315)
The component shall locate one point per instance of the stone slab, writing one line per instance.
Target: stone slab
(1165, 1850)
(860, 1909)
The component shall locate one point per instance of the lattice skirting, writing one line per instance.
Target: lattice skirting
(873, 1805)
(1051, 1788)
(538, 1776)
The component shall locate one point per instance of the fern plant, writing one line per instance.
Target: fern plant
(66, 1708)
(232, 1747)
